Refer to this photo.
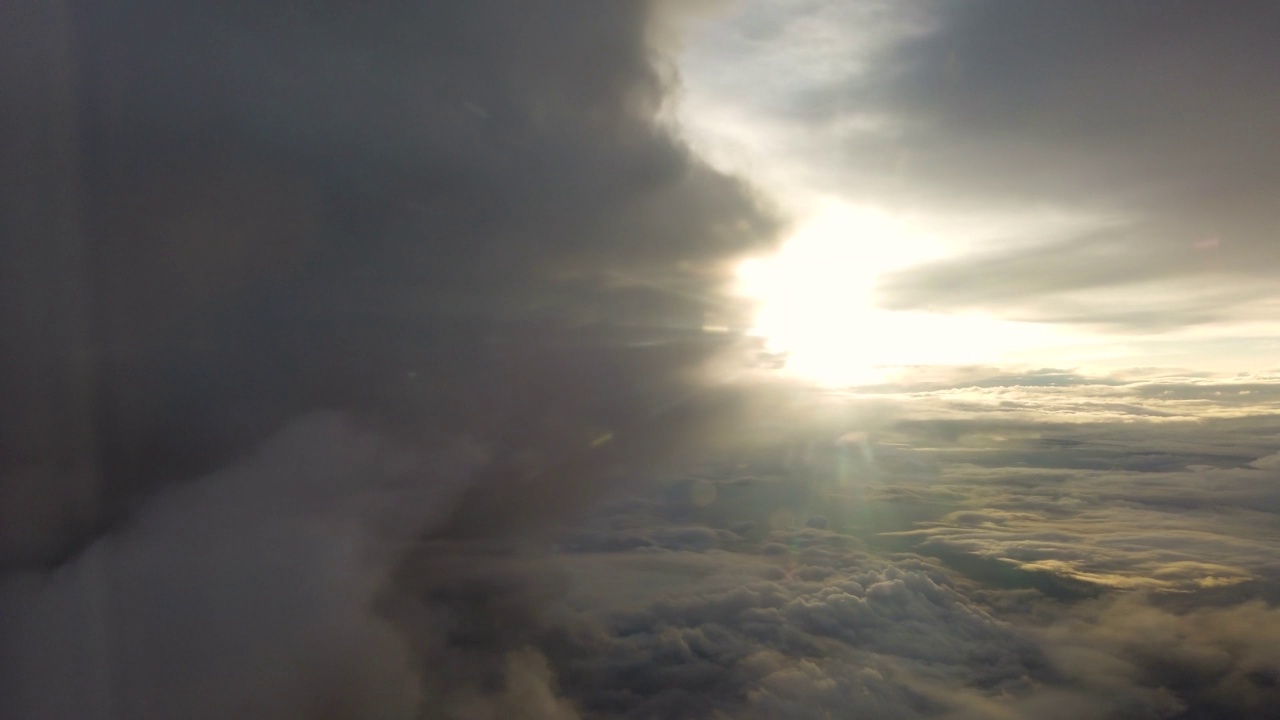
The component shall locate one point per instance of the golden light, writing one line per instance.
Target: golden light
(815, 300)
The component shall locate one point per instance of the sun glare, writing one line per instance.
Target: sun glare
(815, 300)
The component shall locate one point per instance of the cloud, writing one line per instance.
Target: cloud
(1162, 526)
(473, 229)
(1095, 165)
(249, 593)
(807, 578)
(1208, 662)
(479, 152)
(809, 622)
(527, 694)
(1153, 126)
(932, 561)
(743, 639)
(471, 237)
(413, 212)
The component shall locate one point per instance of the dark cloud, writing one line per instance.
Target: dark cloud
(1154, 114)
(1141, 483)
(468, 232)
(465, 215)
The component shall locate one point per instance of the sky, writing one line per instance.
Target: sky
(1093, 175)
(567, 360)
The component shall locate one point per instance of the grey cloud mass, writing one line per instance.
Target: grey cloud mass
(413, 211)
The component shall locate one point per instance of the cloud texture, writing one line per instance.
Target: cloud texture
(411, 211)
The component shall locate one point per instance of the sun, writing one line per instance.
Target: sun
(815, 300)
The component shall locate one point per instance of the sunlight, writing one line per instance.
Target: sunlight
(815, 300)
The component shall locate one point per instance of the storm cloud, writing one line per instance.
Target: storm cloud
(465, 236)
(919, 567)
